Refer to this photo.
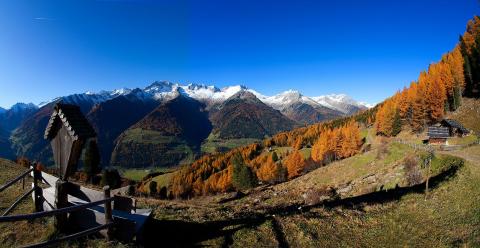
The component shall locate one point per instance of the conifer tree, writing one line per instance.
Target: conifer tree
(243, 177)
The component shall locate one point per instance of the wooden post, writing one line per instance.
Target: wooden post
(61, 201)
(37, 191)
(428, 177)
(108, 212)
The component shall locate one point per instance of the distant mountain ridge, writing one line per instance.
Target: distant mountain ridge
(164, 90)
(147, 120)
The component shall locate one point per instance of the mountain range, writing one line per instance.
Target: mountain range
(167, 123)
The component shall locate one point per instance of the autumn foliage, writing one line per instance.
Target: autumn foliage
(437, 90)
(223, 172)
(338, 143)
(426, 100)
(295, 164)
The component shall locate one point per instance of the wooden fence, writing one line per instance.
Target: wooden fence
(430, 148)
(416, 146)
(58, 213)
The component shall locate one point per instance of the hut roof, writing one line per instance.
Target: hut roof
(73, 119)
(438, 132)
(455, 124)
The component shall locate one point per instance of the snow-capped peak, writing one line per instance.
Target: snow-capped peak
(287, 98)
(159, 87)
(164, 90)
(120, 92)
(21, 106)
(340, 102)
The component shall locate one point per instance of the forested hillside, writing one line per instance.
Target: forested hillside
(437, 91)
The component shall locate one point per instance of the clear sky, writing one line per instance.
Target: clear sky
(366, 49)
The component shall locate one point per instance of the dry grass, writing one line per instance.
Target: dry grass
(450, 216)
(468, 114)
(22, 232)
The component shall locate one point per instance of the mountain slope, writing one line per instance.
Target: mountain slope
(307, 114)
(5, 149)
(341, 102)
(167, 136)
(13, 117)
(300, 108)
(244, 116)
(237, 119)
(27, 140)
(112, 117)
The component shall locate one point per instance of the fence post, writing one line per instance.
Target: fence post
(108, 212)
(428, 177)
(37, 191)
(61, 201)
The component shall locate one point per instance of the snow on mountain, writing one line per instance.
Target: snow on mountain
(22, 106)
(90, 97)
(340, 102)
(164, 90)
(287, 98)
(366, 104)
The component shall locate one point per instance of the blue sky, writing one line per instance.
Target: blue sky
(366, 49)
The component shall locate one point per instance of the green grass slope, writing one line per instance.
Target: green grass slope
(140, 148)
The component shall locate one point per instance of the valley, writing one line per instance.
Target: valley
(180, 164)
(218, 120)
(352, 210)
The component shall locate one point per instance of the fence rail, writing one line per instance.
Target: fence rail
(71, 236)
(19, 199)
(5, 186)
(59, 213)
(430, 148)
(416, 146)
(53, 212)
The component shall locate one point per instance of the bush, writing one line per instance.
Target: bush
(316, 196)
(111, 177)
(152, 186)
(131, 190)
(382, 148)
(163, 193)
(445, 162)
(23, 161)
(274, 157)
(412, 172)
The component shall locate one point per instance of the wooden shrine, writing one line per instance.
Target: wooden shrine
(68, 131)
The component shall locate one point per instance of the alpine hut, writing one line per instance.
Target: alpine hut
(438, 135)
(455, 128)
(68, 131)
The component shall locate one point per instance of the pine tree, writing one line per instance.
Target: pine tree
(152, 186)
(397, 124)
(243, 177)
(274, 157)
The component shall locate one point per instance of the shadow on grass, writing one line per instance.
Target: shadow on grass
(395, 194)
(176, 233)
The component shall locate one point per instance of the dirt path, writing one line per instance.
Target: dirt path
(470, 154)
